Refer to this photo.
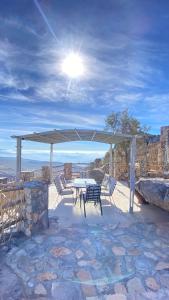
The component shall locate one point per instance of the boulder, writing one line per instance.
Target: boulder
(97, 174)
(154, 191)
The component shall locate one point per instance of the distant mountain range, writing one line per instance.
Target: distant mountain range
(8, 165)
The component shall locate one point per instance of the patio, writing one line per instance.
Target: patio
(117, 256)
(115, 211)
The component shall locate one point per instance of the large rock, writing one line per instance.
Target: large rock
(97, 174)
(155, 191)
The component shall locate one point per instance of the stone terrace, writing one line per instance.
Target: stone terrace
(114, 257)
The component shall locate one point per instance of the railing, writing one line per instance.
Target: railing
(12, 211)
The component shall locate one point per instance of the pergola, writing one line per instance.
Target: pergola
(70, 135)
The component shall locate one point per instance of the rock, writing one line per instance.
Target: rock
(40, 290)
(116, 297)
(65, 291)
(83, 263)
(152, 283)
(95, 264)
(79, 254)
(154, 191)
(143, 265)
(86, 242)
(92, 298)
(160, 254)
(118, 267)
(39, 239)
(119, 288)
(88, 287)
(134, 285)
(46, 276)
(60, 251)
(84, 275)
(164, 280)
(89, 290)
(67, 274)
(133, 252)
(118, 250)
(97, 174)
(150, 255)
(128, 241)
(162, 266)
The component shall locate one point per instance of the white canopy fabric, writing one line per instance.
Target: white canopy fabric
(69, 135)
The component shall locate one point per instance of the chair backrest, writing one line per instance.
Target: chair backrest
(58, 184)
(112, 185)
(105, 180)
(62, 180)
(93, 193)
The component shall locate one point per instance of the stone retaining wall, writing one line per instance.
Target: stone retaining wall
(36, 214)
(23, 208)
(152, 158)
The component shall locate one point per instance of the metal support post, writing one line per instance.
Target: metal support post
(18, 157)
(51, 163)
(110, 161)
(132, 172)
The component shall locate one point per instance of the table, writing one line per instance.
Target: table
(81, 183)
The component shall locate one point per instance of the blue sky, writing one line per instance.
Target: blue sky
(125, 47)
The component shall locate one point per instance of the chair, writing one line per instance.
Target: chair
(63, 182)
(92, 195)
(60, 190)
(110, 187)
(105, 181)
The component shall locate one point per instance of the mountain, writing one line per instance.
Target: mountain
(8, 165)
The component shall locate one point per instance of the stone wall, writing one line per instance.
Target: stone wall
(46, 173)
(152, 158)
(23, 208)
(27, 175)
(36, 206)
(68, 171)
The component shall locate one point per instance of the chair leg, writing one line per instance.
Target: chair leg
(75, 198)
(101, 210)
(84, 208)
(80, 201)
(58, 198)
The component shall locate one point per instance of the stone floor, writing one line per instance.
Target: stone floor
(109, 258)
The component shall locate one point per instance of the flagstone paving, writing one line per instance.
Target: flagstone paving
(108, 262)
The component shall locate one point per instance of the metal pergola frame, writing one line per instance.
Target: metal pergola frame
(70, 135)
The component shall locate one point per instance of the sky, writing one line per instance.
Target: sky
(125, 49)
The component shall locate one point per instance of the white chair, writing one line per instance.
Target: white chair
(110, 188)
(60, 190)
(105, 181)
(64, 183)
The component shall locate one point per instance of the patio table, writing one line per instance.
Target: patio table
(81, 183)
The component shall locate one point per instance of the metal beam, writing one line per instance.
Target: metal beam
(60, 136)
(51, 163)
(110, 161)
(132, 172)
(18, 157)
(77, 133)
(93, 136)
(114, 163)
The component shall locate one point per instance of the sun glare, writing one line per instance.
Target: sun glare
(73, 65)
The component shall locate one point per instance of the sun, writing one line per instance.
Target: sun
(73, 65)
